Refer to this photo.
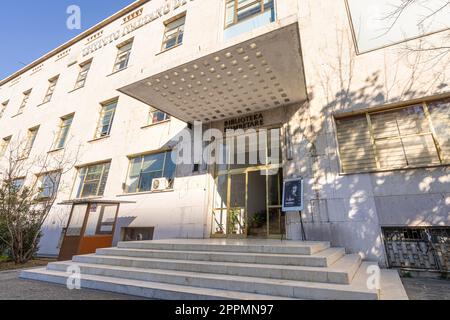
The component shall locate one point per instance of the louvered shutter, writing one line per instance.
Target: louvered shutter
(355, 147)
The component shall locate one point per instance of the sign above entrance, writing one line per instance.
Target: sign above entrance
(293, 195)
(166, 8)
(245, 122)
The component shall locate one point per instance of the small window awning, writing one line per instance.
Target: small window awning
(94, 201)
(250, 76)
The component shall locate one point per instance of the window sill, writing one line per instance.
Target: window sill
(43, 103)
(99, 139)
(394, 169)
(76, 89)
(55, 150)
(144, 193)
(168, 49)
(43, 199)
(155, 124)
(117, 71)
(86, 199)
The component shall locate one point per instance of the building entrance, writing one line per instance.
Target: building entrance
(91, 226)
(247, 200)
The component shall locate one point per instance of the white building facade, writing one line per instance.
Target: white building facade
(367, 128)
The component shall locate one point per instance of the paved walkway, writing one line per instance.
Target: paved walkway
(13, 288)
(427, 289)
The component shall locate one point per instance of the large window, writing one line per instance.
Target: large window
(413, 136)
(380, 23)
(3, 108)
(48, 184)
(26, 96)
(156, 116)
(92, 180)
(106, 120)
(145, 168)
(4, 146)
(239, 10)
(123, 56)
(31, 138)
(174, 33)
(63, 133)
(82, 76)
(51, 89)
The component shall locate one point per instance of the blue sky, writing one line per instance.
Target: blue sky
(31, 28)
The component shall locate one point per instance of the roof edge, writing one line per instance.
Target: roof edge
(76, 39)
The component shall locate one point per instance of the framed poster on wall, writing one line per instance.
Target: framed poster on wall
(293, 195)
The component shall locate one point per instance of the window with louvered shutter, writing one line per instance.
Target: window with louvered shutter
(356, 151)
(440, 116)
(413, 136)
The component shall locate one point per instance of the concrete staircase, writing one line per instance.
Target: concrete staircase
(225, 269)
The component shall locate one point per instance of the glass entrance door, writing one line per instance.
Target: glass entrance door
(237, 204)
(247, 197)
(257, 204)
(248, 204)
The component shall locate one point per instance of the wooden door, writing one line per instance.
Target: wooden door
(91, 227)
(99, 228)
(74, 232)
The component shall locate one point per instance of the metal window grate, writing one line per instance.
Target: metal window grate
(418, 248)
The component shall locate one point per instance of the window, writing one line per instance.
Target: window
(48, 184)
(92, 180)
(173, 35)
(26, 96)
(123, 56)
(18, 184)
(145, 168)
(51, 89)
(64, 128)
(381, 23)
(5, 143)
(106, 120)
(157, 116)
(82, 76)
(413, 136)
(31, 138)
(3, 108)
(239, 10)
(101, 220)
(76, 220)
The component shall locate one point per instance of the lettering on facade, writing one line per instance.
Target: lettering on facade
(163, 10)
(245, 122)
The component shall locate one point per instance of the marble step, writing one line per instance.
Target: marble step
(324, 258)
(243, 246)
(273, 287)
(151, 290)
(341, 272)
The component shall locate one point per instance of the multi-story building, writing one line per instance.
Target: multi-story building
(363, 119)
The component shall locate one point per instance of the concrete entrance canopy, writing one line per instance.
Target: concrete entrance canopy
(254, 75)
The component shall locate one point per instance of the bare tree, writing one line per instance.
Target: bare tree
(28, 191)
(440, 49)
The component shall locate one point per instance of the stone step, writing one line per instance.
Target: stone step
(227, 245)
(281, 288)
(322, 259)
(341, 272)
(151, 290)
